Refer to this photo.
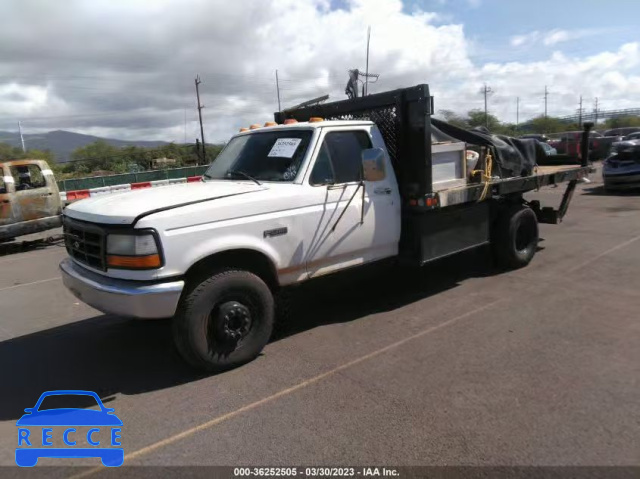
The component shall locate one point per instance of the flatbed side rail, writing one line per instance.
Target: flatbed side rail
(502, 187)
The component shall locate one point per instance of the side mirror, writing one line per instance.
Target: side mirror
(28, 410)
(373, 164)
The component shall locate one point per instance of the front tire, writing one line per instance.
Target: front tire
(515, 237)
(224, 321)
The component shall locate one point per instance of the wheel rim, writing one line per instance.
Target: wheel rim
(230, 322)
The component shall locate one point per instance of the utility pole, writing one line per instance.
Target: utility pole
(580, 113)
(200, 107)
(185, 126)
(546, 95)
(24, 150)
(595, 122)
(485, 91)
(278, 90)
(517, 112)
(366, 73)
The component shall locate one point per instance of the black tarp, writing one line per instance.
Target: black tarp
(512, 156)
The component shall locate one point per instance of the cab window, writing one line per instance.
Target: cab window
(28, 177)
(340, 158)
(3, 186)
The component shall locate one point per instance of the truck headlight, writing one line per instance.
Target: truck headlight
(133, 251)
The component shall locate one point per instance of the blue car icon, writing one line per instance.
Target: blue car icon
(28, 454)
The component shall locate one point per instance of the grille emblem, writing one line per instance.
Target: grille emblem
(76, 245)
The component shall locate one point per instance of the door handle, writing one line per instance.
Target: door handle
(46, 194)
(382, 191)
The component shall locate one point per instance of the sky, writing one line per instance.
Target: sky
(125, 68)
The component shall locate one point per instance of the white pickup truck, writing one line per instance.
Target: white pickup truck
(288, 202)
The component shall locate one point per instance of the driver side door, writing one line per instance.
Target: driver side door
(349, 222)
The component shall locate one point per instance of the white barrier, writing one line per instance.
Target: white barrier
(159, 183)
(120, 188)
(104, 190)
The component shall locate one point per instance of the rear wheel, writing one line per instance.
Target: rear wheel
(515, 236)
(224, 321)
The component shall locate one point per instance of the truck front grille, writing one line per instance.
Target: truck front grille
(85, 243)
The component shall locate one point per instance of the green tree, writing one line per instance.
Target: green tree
(454, 119)
(621, 122)
(477, 118)
(98, 155)
(540, 124)
(8, 152)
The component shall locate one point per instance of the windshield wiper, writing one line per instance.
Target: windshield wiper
(242, 173)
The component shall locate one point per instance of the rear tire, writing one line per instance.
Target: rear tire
(224, 321)
(515, 237)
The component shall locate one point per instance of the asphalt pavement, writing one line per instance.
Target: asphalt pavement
(464, 365)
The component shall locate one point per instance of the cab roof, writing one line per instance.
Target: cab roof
(311, 125)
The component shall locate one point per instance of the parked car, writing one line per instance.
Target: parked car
(548, 149)
(622, 131)
(536, 136)
(29, 198)
(632, 136)
(621, 170)
(568, 143)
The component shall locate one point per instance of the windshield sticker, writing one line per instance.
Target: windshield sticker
(285, 147)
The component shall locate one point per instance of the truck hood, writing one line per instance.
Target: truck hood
(124, 208)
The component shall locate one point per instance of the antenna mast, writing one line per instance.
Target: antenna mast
(24, 150)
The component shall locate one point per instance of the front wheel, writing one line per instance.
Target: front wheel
(224, 321)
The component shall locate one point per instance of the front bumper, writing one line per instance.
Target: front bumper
(29, 227)
(622, 182)
(136, 299)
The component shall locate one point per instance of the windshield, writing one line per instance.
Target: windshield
(268, 156)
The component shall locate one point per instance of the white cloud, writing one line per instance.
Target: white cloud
(553, 37)
(126, 70)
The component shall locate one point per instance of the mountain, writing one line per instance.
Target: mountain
(62, 143)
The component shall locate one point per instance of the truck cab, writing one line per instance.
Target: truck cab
(285, 202)
(29, 198)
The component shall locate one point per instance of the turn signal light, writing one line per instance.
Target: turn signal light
(134, 262)
(290, 121)
(255, 126)
(315, 119)
(271, 123)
